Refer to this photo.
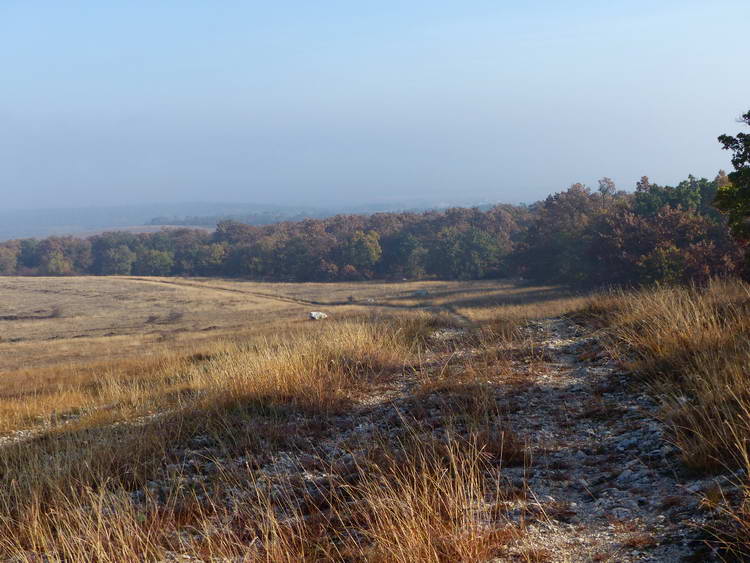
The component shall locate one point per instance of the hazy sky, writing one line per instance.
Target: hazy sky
(127, 101)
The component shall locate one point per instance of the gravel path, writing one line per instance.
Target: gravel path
(607, 484)
(601, 481)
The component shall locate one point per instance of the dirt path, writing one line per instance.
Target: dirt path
(462, 319)
(600, 484)
(607, 484)
(196, 285)
(602, 481)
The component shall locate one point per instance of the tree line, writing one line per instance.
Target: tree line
(690, 232)
(583, 236)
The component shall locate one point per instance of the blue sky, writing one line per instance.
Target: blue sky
(337, 102)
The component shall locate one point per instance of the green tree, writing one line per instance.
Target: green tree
(210, 258)
(53, 258)
(479, 254)
(28, 257)
(407, 257)
(468, 254)
(733, 198)
(118, 261)
(56, 264)
(296, 260)
(363, 250)
(650, 198)
(445, 252)
(153, 263)
(113, 253)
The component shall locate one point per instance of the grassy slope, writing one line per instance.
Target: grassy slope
(77, 320)
(691, 348)
(94, 437)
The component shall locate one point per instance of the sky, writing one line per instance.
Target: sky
(337, 102)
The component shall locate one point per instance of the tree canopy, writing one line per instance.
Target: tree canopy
(654, 234)
(733, 197)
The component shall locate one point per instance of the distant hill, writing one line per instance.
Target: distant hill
(138, 229)
(26, 223)
(40, 223)
(268, 215)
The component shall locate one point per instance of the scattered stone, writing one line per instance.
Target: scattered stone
(587, 485)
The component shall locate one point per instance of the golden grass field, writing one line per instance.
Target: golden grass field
(106, 381)
(57, 320)
(75, 343)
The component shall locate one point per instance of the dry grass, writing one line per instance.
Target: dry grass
(310, 363)
(106, 318)
(509, 302)
(432, 505)
(95, 430)
(80, 320)
(93, 435)
(113, 350)
(429, 505)
(691, 346)
(70, 488)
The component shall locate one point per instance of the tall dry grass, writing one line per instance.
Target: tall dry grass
(434, 505)
(430, 505)
(691, 346)
(289, 360)
(84, 490)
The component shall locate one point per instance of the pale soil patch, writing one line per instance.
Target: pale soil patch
(604, 483)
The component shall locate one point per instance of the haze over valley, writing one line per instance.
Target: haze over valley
(375, 282)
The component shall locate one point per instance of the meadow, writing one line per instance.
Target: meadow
(166, 418)
(52, 321)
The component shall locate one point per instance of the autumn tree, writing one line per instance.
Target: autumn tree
(63, 255)
(673, 246)
(556, 242)
(9, 258)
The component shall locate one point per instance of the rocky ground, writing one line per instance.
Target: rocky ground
(587, 473)
(613, 486)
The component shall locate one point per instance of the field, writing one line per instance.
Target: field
(53, 321)
(164, 419)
